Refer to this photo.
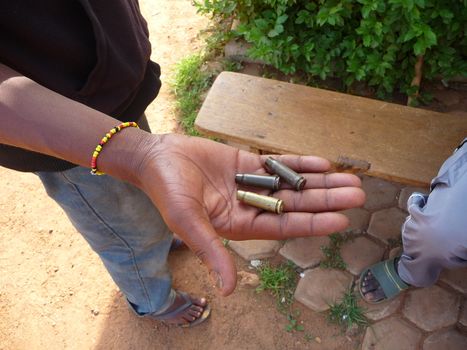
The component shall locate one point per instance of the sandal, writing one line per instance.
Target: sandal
(174, 313)
(386, 275)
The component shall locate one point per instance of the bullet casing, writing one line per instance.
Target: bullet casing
(291, 177)
(272, 204)
(264, 181)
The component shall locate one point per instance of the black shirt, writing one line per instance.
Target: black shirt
(93, 51)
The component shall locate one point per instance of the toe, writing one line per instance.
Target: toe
(194, 313)
(379, 294)
(200, 302)
(373, 285)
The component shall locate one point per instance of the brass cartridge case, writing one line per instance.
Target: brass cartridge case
(264, 181)
(289, 176)
(272, 204)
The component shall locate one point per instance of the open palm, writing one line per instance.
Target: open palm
(192, 182)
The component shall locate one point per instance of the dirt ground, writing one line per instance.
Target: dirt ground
(56, 294)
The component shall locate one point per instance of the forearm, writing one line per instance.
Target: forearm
(38, 119)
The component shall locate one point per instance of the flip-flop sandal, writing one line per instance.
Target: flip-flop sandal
(386, 275)
(169, 315)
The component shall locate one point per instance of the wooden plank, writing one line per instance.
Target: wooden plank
(396, 142)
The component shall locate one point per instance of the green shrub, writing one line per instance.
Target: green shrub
(374, 41)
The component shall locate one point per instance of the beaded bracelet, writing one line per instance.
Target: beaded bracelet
(104, 140)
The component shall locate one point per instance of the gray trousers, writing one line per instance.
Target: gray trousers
(434, 234)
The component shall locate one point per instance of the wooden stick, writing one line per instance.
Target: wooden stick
(417, 79)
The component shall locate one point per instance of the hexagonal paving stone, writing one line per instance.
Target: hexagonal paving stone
(386, 224)
(391, 333)
(456, 278)
(432, 308)
(379, 193)
(449, 340)
(405, 194)
(360, 253)
(255, 249)
(305, 252)
(376, 312)
(359, 219)
(320, 288)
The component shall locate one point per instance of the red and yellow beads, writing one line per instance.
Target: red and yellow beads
(104, 140)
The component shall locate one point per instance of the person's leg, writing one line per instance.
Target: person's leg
(434, 234)
(125, 229)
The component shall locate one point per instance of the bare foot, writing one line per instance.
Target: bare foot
(186, 311)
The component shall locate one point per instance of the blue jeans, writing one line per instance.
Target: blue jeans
(124, 228)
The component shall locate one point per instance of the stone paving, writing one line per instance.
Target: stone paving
(426, 318)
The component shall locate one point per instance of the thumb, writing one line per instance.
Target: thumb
(202, 239)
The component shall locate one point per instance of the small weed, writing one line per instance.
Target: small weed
(189, 84)
(347, 313)
(293, 324)
(332, 256)
(217, 35)
(280, 281)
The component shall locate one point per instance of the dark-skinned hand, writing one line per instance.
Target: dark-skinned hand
(192, 182)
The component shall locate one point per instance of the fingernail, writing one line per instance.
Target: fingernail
(216, 279)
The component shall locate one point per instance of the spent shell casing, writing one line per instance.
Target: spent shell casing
(275, 205)
(291, 177)
(264, 181)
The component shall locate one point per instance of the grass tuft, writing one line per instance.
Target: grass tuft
(189, 85)
(347, 313)
(332, 254)
(280, 281)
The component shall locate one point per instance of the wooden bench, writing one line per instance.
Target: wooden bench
(391, 141)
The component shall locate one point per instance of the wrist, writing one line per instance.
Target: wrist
(125, 154)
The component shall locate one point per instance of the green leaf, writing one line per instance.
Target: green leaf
(302, 16)
(409, 35)
(419, 47)
(420, 3)
(365, 11)
(367, 40)
(408, 4)
(272, 33)
(282, 19)
(446, 14)
(430, 38)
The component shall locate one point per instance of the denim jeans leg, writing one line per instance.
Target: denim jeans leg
(124, 228)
